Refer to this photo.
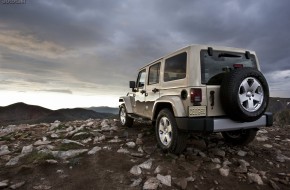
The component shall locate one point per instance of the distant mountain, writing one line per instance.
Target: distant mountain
(23, 113)
(104, 109)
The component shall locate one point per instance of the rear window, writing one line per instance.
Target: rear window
(214, 67)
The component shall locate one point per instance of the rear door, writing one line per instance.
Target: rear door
(152, 88)
(213, 69)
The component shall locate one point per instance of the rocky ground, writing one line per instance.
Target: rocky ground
(100, 154)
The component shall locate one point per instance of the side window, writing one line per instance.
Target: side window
(154, 71)
(175, 67)
(141, 79)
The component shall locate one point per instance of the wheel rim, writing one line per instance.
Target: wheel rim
(123, 116)
(251, 94)
(165, 131)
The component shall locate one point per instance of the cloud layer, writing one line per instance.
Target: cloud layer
(95, 47)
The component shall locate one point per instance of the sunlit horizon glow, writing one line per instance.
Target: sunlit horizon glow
(56, 101)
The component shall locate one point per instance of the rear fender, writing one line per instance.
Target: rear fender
(174, 101)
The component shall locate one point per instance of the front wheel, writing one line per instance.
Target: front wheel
(240, 137)
(124, 118)
(168, 136)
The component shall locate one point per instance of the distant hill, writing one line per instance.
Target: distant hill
(104, 109)
(23, 113)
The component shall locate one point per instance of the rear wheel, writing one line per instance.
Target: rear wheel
(240, 137)
(168, 136)
(124, 118)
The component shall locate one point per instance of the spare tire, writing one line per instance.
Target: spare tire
(244, 94)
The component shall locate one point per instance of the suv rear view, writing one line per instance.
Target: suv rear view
(200, 89)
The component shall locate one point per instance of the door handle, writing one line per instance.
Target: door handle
(155, 90)
(143, 91)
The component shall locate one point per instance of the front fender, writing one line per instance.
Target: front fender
(127, 100)
(175, 102)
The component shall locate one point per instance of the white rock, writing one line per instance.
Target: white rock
(4, 150)
(147, 164)
(52, 161)
(131, 144)
(54, 136)
(243, 162)
(89, 124)
(158, 170)
(27, 149)
(166, 180)
(135, 170)
(54, 125)
(136, 182)
(13, 161)
(255, 178)
(17, 185)
(226, 163)
(123, 150)
(67, 141)
(216, 160)
(85, 141)
(242, 153)
(94, 150)
(40, 142)
(262, 138)
(224, 171)
(267, 146)
(68, 154)
(115, 140)
(3, 184)
(151, 183)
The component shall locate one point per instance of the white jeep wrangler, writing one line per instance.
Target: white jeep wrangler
(200, 89)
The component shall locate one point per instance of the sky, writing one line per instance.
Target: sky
(72, 53)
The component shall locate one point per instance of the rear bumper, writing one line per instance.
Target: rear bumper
(211, 124)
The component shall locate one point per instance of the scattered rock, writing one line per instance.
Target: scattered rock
(4, 150)
(135, 170)
(151, 183)
(166, 180)
(182, 183)
(52, 161)
(4, 184)
(115, 140)
(94, 150)
(54, 136)
(131, 144)
(147, 164)
(267, 145)
(42, 187)
(67, 141)
(216, 160)
(14, 161)
(27, 149)
(136, 154)
(123, 150)
(224, 171)
(158, 169)
(242, 153)
(41, 142)
(68, 154)
(17, 185)
(262, 138)
(136, 182)
(255, 178)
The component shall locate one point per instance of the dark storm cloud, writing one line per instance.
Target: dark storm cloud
(105, 42)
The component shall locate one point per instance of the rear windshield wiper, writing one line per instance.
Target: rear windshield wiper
(228, 55)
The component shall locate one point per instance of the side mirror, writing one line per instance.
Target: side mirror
(132, 84)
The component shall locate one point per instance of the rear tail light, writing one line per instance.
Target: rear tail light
(238, 66)
(195, 95)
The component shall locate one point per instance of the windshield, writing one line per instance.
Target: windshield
(214, 67)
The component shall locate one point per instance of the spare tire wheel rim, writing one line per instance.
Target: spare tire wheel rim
(165, 131)
(123, 116)
(251, 94)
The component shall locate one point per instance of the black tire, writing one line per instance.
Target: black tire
(178, 138)
(244, 94)
(125, 120)
(240, 137)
